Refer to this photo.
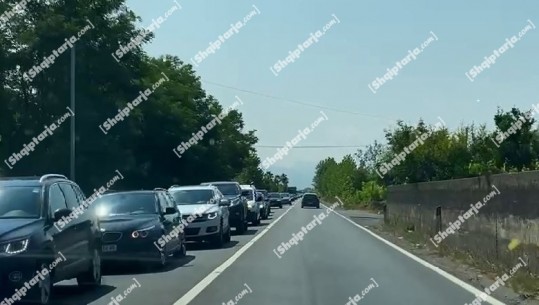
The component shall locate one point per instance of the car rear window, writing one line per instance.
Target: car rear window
(310, 197)
(228, 189)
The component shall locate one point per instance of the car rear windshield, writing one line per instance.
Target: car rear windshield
(310, 197)
(248, 194)
(228, 189)
(184, 197)
(20, 202)
(126, 204)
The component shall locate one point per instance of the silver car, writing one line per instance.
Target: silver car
(249, 192)
(205, 213)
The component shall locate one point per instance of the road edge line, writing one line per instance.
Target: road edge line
(455, 280)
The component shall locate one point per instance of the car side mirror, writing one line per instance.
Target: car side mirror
(224, 203)
(61, 213)
(170, 210)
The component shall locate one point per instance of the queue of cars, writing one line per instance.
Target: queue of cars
(48, 219)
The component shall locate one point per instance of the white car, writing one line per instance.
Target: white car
(205, 213)
(249, 192)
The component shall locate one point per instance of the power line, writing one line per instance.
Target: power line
(294, 101)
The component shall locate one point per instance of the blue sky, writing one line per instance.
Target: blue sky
(335, 71)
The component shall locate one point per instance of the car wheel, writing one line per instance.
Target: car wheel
(241, 228)
(182, 252)
(219, 240)
(92, 277)
(280, 206)
(227, 236)
(302, 206)
(163, 259)
(256, 221)
(318, 206)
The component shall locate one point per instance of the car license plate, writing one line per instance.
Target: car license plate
(109, 248)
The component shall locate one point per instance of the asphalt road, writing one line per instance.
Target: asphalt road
(334, 261)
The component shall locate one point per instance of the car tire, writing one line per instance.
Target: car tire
(92, 277)
(318, 206)
(256, 221)
(219, 240)
(241, 227)
(163, 260)
(182, 252)
(302, 206)
(42, 292)
(228, 237)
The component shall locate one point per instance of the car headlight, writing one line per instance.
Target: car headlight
(212, 215)
(143, 233)
(250, 204)
(14, 247)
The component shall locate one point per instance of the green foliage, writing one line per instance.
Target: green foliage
(467, 152)
(141, 146)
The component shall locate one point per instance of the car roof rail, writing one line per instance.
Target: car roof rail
(159, 189)
(52, 176)
(175, 185)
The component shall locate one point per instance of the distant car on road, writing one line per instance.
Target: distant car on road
(310, 199)
(238, 204)
(38, 230)
(285, 198)
(275, 200)
(209, 209)
(249, 192)
(135, 224)
(265, 204)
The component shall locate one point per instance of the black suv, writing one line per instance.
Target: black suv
(46, 236)
(310, 199)
(238, 204)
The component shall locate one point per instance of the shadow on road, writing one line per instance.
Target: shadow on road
(202, 246)
(73, 294)
(142, 267)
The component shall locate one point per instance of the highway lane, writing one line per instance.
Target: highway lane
(162, 287)
(335, 261)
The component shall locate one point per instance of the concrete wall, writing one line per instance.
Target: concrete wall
(511, 214)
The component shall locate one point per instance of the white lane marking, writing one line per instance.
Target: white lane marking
(198, 288)
(441, 272)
